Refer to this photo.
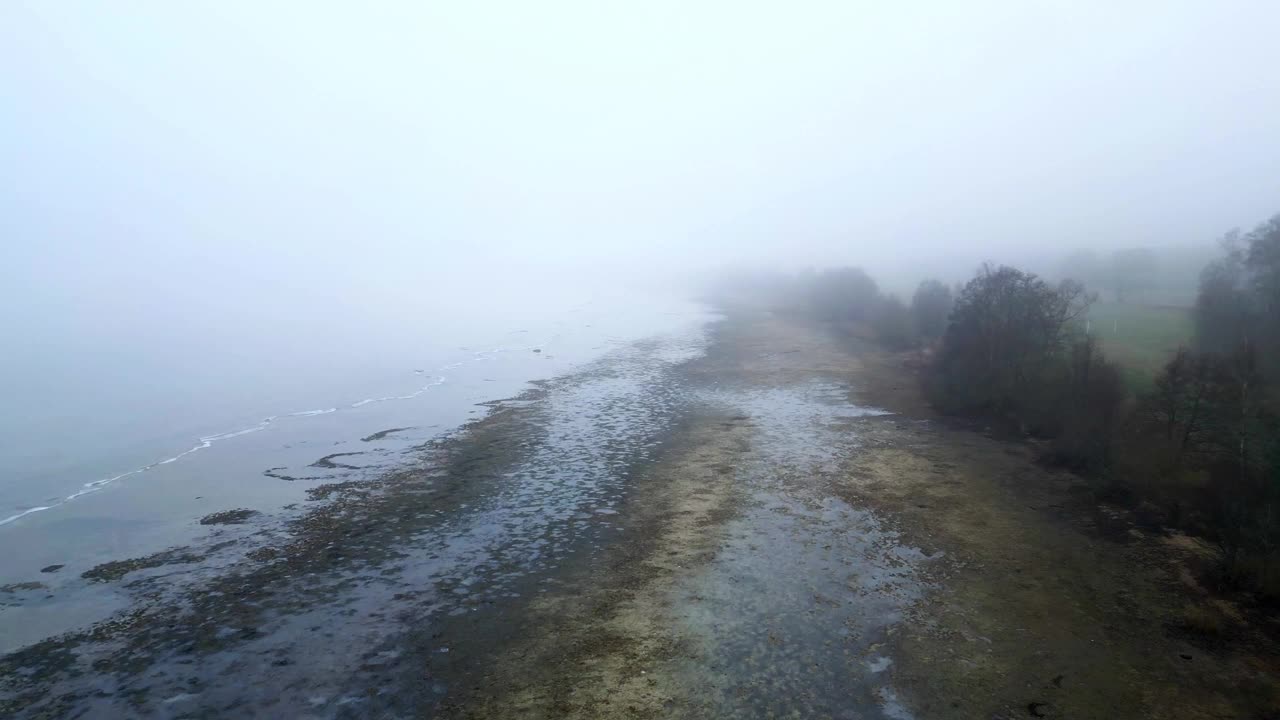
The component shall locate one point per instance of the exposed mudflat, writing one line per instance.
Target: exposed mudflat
(762, 521)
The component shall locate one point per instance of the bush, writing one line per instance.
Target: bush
(1202, 620)
(1204, 444)
(930, 308)
(844, 294)
(1259, 572)
(1088, 409)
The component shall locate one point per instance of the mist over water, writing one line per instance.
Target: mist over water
(127, 419)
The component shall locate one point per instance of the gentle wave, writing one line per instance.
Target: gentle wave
(209, 440)
(369, 401)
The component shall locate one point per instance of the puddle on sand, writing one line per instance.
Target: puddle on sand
(791, 616)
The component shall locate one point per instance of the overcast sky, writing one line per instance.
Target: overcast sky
(203, 146)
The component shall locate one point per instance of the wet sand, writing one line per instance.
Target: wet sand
(767, 522)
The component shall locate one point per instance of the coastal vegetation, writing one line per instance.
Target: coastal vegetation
(1174, 411)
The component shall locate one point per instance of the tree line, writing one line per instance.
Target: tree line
(1199, 451)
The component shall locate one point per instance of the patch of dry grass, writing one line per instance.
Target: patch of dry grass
(1203, 620)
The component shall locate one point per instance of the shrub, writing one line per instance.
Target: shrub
(1088, 409)
(1202, 620)
(930, 308)
(1205, 444)
(844, 294)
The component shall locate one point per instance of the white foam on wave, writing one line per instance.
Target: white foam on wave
(25, 513)
(209, 440)
(369, 401)
(310, 413)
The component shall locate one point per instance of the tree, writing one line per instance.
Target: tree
(1242, 425)
(1088, 404)
(1243, 465)
(1006, 330)
(1239, 299)
(845, 294)
(1178, 409)
(930, 308)
(1263, 260)
(1224, 306)
(1263, 263)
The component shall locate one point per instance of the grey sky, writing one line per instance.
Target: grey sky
(195, 147)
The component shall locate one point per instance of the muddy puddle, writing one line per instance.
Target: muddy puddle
(792, 616)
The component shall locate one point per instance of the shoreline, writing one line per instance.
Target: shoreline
(776, 525)
(142, 472)
(271, 471)
(356, 538)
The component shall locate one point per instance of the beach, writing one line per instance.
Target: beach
(754, 517)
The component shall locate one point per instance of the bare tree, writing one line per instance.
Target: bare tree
(1006, 329)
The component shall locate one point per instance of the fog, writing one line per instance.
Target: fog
(239, 239)
(206, 177)
(160, 149)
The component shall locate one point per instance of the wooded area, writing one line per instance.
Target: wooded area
(1197, 449)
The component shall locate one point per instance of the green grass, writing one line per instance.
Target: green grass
(1140, 338)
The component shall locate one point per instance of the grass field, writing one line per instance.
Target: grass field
(1140, 338)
